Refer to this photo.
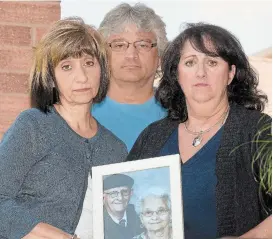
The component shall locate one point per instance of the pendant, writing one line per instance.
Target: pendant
(197, 140)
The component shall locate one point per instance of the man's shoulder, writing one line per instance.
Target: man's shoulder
(131, 209)
(132, 215)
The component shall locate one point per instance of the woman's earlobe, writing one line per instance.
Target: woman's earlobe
(231, 74)
(230, 80)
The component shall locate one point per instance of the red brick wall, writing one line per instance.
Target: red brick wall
(21, 26)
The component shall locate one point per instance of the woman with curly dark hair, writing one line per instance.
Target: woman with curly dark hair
(210, 91)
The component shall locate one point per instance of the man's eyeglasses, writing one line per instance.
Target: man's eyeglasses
(160, 212)
(124, 193)
(141, 46)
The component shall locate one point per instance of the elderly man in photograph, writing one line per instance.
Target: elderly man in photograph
(120, 218)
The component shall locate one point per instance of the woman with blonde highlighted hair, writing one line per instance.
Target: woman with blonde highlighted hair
(47, 154)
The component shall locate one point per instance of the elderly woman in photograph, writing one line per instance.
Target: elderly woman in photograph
(47, 154)
(154, 208)
(214, 113)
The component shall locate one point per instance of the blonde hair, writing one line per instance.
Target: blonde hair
(69, 37)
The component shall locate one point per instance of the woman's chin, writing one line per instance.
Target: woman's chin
(202, 99)
(156, 227)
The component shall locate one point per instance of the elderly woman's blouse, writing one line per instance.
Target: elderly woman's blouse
(198, 187)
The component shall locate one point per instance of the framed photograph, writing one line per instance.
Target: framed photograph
(138, 200)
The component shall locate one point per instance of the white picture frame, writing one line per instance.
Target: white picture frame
(153, 167)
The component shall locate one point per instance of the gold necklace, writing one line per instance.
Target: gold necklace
(198, 139)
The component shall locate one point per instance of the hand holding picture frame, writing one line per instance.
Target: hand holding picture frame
(138, 199)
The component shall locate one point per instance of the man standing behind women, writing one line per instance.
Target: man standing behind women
(47, 154)
(214, 112)
(136, 38)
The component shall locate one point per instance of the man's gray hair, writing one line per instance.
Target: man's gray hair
(140, 15)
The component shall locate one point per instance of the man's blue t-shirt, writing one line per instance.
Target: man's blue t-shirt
(127, 121)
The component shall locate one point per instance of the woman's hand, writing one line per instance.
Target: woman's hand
(46, 231)
(262, 230)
